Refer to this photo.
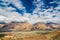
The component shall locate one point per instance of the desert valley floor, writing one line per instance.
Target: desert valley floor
(30, 35)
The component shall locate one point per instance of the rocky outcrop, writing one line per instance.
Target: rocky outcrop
(41, 25)
(1, 25)
(54, 26)
(23, 26)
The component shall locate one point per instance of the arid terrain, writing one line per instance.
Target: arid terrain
(27, 31)
(30, 35)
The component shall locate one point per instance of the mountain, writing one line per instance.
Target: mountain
(17, 26)
(29, 26)
(41, 25)
(55, 26)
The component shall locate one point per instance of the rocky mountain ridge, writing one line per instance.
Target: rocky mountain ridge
(28, 26)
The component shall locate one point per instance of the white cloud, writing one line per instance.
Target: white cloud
(56, 1)
(8, 15)
(9, 8)
(2, 17)
(5, 2)
(58, 8)
(18, 4)
(47, 15)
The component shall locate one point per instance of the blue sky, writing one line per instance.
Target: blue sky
(30, 10)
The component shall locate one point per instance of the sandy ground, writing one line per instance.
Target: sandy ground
(33, 35)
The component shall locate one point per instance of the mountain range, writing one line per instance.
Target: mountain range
(29, 26)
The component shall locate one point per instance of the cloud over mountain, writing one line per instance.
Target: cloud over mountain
(39, 14)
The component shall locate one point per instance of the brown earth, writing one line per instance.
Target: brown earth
(32, 36)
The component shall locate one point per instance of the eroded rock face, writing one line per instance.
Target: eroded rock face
(24, 26)
(1, 25)
(56, 26)
(41, 26)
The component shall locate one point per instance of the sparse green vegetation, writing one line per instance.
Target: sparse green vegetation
(56, 37)
(2, 35)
